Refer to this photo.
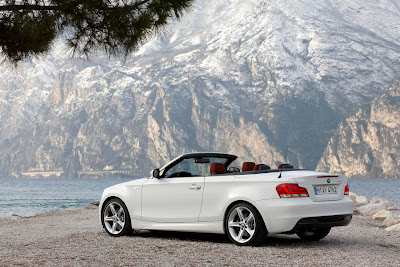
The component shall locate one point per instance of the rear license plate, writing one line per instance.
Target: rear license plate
(323, 190)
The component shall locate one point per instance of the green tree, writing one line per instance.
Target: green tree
(117, 27)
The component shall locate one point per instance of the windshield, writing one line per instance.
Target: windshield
(193, 167)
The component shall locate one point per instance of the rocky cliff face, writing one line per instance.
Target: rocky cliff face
(368, 142)
(245, 77)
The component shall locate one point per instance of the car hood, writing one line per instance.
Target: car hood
(133, 182)
(125, 184)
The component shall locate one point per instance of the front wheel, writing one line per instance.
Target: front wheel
(115, 218)
(314, 233)
(244, 225)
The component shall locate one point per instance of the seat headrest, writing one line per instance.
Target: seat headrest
(259, 167)
(248, 166)
(285, 166)
(217, 168)
(264, 167)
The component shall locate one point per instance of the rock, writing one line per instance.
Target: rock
(353, 197)
(381, 215)
(370, 209)
(360, 200)
(15, 217)
(395, 227)
(392, 219)
(376, 205)
(91, 206)
(389, 205)
(96, 203)
(377, 200)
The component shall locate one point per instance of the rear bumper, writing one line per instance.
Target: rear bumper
(287, 215)
(322, 222)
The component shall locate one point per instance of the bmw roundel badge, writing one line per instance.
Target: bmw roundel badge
(328, 181)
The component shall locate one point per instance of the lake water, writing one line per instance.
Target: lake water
(372, 187)
(28, 197)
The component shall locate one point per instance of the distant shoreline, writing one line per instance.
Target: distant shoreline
(83, 174)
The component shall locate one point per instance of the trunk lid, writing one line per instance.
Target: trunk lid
(323, 186)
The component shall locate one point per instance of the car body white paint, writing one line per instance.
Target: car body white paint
(199, 204)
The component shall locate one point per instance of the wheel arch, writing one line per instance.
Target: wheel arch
(104, 201)
(107, 199)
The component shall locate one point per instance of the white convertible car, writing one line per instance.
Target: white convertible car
(200, 192)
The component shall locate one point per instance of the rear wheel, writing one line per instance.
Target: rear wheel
(115, 218)
(314, 233)
(244, 225)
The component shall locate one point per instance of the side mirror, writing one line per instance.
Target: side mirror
(155, 173)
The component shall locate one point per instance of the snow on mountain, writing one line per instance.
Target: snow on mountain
(246, 77)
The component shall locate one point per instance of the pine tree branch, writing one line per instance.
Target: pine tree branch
(138, 4)
(54, 8)
(28, 7)
(29, 27)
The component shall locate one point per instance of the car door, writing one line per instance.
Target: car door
(176, 199)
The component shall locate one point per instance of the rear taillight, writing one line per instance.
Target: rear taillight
(291, 190)
(346, 189)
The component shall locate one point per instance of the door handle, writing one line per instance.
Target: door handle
(195, 187)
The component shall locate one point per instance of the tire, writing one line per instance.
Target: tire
(313, 233)
(115, 218)
(244, 225)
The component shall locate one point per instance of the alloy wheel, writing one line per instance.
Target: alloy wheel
(241, 224)
(114, 218)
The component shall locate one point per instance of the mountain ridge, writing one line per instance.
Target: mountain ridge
(280, 72)
(367, 143)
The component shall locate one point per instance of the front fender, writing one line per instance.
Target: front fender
(130, 194)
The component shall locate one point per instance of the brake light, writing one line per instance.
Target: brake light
(291, 190)
(346, 190)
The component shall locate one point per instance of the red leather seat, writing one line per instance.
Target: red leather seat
(248, 166)
(217, 168)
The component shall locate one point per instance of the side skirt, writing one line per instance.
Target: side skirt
(196, 227)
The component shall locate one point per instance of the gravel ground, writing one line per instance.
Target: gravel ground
(76, 238)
